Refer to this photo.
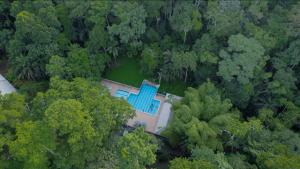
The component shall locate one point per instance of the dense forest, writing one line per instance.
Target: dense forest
(238, 62)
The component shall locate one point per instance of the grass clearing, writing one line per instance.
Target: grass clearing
(128, 71)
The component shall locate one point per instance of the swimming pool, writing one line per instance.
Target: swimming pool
(144, 101)
(122, 94)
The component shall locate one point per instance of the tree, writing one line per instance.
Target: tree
(5, 26)
(206, 49)
(56, 66)
(277, 25)
(12, 113)
(224, 17)
(242, 59)
(240, 95)
(258, 10)
(280, 162)
(288, 58)
(137, 150)
(230, 123)
(77, 64)
(181, 163)
(108, 113)
(83, 114)
(150, 59)
(186, 17)
(34, 142)
(131, 23)
(153, 9)
(99, 41)
(240, 161)
(189, 123)
(35, 38)
(185, 61)
(217, 159)
(74, 130)
(262, 36)
(293, 18)
(31, 47)
(289, 116)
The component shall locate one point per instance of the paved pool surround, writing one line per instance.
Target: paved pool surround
(156, 121)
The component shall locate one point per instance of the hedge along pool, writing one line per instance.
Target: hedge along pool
(143, 101)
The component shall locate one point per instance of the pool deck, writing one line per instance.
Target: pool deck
(154, 123)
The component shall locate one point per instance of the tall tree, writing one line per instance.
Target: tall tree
(83, 114)
(185, 61)
(150, 59)
(137, 150)
(34, 142)
(131, 22)
(191, 115)
(32, 45)
(5, 26)
(185, 17)
(12, 113)
(75, 133)
(241, 59)
(224, 17)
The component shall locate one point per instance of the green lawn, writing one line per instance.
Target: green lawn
(176, 87)
(128, 72)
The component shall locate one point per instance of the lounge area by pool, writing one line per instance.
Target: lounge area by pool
(144, 101)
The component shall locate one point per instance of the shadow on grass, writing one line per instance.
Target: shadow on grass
(128, 71)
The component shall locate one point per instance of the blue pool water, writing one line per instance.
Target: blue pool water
(122, 94)
(144, 101)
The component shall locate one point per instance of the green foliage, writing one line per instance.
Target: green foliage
(131, 24)
(230, 123)
(277, 25)
(238, 161)
(181, 163)
(76, 123)
(217, 159)
(5, 26)
(56, 66)
(137, 150)
(34, 40)
(150, 59)
(289, 57)
(12, 113)
(199, 104)
(224, 17)
(262, 36)
(77, 64)
(73, 127)
(33, 144)
(258, 9)
(242, 59)
(82, 114)
(184, 61)
(185, 17)
(294, 23)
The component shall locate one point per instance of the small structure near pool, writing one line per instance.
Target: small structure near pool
(5, 86)
(153, 110)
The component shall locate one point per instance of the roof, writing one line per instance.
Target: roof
(5, 86)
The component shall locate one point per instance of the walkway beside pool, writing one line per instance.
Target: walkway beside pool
(153, 123)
